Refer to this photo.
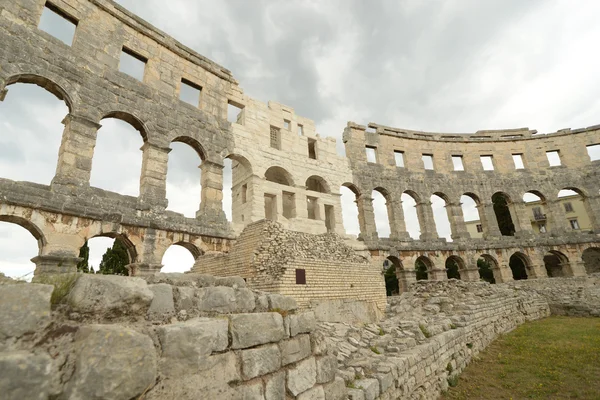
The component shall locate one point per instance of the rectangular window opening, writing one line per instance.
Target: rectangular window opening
(487, 162)
(457, 162)
(235, 113)
(568, 207)
(553, 158)
(270, 206)
(312, 149)
(518, 160)
(574, 224)
(399, 158)
(287, 125)
(594, 152)
(427, 161)
(479, 228)
(289, 205)
(58, 23)
(371, 154)
(190, 92)
(300, 276)
(244, 193)
(300, 130)
(275, 138)
(312, 207)
(132, 64)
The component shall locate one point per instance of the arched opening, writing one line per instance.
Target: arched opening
(279, 175)
(20, 241)
(107, 254)
(237, 189)
(440, 215)
(184, 176)
(536, 210)
(486, 265)
(501, 202)
(577, 209)
(422, 267)
(469, 203)
(411, 219)
(382, 220)
(317, 184)
(179, 257)
(453, 266)
(392, 267)
(556, 264)
(31, 130)
(591, 260)
(349, 196)
(518, 264)
(117, 161)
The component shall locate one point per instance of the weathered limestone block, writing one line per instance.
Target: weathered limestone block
(326, 368)
(185, 345)
(315, 393)
(356, 394)
(294, 350)
(260, 361)
(235, 282)
(249, 330)
(302, 376)
(304, 322)
(370, 387)
(110, 295)
(275, 386)
(386, 381)
(162, 304)
(335, 390)
(111, 362)
(225, 299)
(24, 375)
(253, 391)
(184, 298)
(283, 303)
(24, 308)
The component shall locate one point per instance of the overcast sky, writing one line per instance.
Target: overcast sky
(452, 66)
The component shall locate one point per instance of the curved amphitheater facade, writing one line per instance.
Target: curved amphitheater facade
(282, 171)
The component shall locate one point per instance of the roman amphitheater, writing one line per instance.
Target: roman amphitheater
(297, 303)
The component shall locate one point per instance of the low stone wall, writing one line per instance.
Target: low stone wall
(426, 339)
(174, 337)
(566, 296)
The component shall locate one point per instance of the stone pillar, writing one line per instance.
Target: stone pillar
(74, 165)
(148, 254)
(397, 223)
(489, 222)
(366, 218)
(556, 219)
(153, 180)
(143, 269)
(3, 93)
(521, 219)
(457, 222)
(592, 207)
(54, 264)
(536, 271)
(503, 273)
(405, 279)
(437, 274)
(426, 221)
(470, 272)
(211, 203)
(577, 268)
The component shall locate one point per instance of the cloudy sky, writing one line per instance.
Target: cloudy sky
(452, 66)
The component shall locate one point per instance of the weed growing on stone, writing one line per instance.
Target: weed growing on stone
(449, 368)
(470, 345)
(283, 313)
(452, 326)
(381, 332)
(452, 381)
(375, 350)
(425, 331)
(63, 283)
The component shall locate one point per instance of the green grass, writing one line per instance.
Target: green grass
(554, 358)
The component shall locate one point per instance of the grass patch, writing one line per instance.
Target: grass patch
(63, 283)
(425, 331)
(375, 350)
(557, 357)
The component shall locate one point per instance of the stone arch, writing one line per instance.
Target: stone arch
(441, 218)
(423, 267)
(316, 183)
(488, 268)
(237, 191)
(591, 260)
(32, 228)
(382, 211)
(537, 201)
(470, 205)
(189, 255)
(131, 249)
(46, 83)
(131, 119)
(410, 201)
(454, 265)
(353, 188)
(279, 175)
(193, 143)
(501, 203)
(556, 264)
(351, 213)
(393, 269)
(519, 264)
(589, 212)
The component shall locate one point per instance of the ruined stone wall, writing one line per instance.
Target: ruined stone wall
(267, 255)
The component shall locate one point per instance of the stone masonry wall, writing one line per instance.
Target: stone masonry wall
(175, 337)
(267, 256)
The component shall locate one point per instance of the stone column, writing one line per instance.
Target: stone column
(521, 219)
(153, 180)
(397, 223)
(470, 272)
(211, 203)
(536, 271)
(592, 207)
(577, 268)
(54, 264)
(149, 252)
(426, 221)
(457, 222)
(489, 222)
(366, 218)
(556, 219)
(503, 273)
(74, 165)
(405, 279)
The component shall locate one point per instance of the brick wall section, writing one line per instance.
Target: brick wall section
(267, 256)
